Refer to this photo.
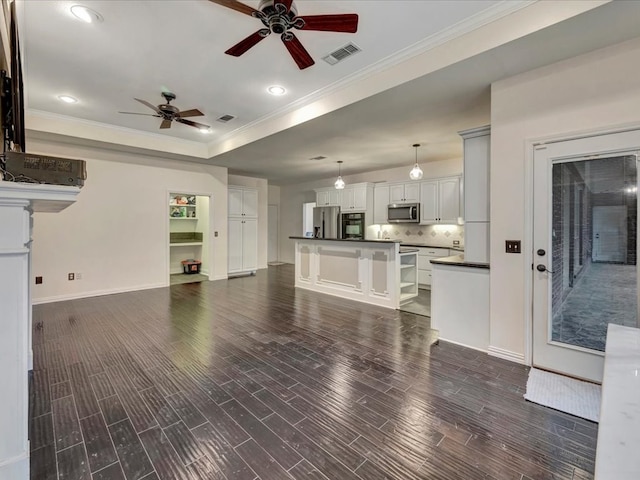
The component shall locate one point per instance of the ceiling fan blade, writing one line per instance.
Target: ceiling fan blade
(191, 123)
(241, 47)
(145, 114)
(297, 51)
(347, 22)
(165, 123)
(237, 6)
(194, 112)
(152, 107)
(285, 3)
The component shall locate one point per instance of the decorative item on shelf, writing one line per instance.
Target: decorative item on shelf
(339, 184)
(416, 171)
(175, 212)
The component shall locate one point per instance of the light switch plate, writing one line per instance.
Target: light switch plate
(513, 246)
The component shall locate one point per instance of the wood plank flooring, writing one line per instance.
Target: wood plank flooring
(250, 379)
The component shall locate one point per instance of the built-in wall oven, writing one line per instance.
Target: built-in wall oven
(352, 226)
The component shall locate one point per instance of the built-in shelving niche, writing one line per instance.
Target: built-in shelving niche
(188, 216)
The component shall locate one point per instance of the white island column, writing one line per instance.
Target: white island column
(17, 202)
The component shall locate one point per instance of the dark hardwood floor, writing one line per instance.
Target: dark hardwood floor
(250, 379)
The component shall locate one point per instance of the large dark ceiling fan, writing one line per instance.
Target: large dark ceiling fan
(168, 113)
(280, 17)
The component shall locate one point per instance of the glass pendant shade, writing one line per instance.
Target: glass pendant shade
(339, 184)
(416, 171)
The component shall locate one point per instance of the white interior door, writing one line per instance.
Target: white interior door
(274, 223)
(575, 298)
(610, 234)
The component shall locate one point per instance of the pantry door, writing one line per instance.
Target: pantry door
(576, 292)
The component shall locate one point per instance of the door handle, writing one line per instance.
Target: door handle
(541, 268)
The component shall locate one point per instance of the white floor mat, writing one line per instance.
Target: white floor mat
(569, 395)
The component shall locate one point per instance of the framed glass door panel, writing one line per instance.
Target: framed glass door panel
(585, 249)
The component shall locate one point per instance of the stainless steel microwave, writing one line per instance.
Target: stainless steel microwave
(403, 213)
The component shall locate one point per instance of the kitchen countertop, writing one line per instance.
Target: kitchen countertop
(408, 250)
(381, 240)
(344, 240)
(458, 261)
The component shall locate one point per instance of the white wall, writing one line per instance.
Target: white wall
(293, 196)
(591, 92)
(116, 234)
(263, 212)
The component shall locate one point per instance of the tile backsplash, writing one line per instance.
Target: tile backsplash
(435, 235)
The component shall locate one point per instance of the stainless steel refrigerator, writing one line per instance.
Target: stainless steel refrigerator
(326, 222)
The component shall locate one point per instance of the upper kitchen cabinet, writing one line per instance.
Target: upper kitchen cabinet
(328, 197)
(243, 202)
(380, 204)
(404, 193)
(357, 198)
(440, 200)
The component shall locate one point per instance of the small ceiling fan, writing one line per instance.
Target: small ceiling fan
(168, 113)
(280, 17)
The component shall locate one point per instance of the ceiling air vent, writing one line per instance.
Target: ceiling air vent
(225, 118)
(341, 53)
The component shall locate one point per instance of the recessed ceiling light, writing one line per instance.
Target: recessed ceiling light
(67, 99)
(86, 14)
(276, 90)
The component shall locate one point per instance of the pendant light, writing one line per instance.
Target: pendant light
(339, 182)
(416, 171)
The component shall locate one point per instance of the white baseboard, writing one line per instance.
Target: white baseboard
(16, 468)
(507, 355)
(220, 277)
(463, 345)
(95, 293)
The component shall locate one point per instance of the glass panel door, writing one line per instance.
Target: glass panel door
(584, 249)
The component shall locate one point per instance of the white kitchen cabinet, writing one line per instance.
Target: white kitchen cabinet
(243, 245)
(440, 201)
(328, 197)
(243, 230)
(425, 255)
(404, 193)
(242, 202)
(354, 199)
(380, 204)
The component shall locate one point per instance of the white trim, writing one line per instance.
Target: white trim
(96, 293)
(463, 345)
(219, 277)
(15, 468)
(528, 253)
(506, 354)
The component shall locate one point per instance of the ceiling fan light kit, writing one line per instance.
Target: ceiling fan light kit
(339, 183)
(416, 171)
(67, 99)
(280, 17)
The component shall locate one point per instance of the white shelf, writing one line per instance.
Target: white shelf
(183, 218)
(407, 284)
(182, 204)
(407, 296)
(185, 244)
(407, 265)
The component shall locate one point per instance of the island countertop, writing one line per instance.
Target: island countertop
(381, 240)
(458, 261)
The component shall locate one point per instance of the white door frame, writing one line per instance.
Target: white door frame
(269, 225)
(530, 147)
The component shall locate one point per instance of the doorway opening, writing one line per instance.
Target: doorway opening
(189, 260)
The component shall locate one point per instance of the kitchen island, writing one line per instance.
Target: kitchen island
(379, 272)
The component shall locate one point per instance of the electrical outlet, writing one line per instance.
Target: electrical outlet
(456, 243)
(78, 276)
(512, 246)
(71, 276)
(38, 280)
(215, 234)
